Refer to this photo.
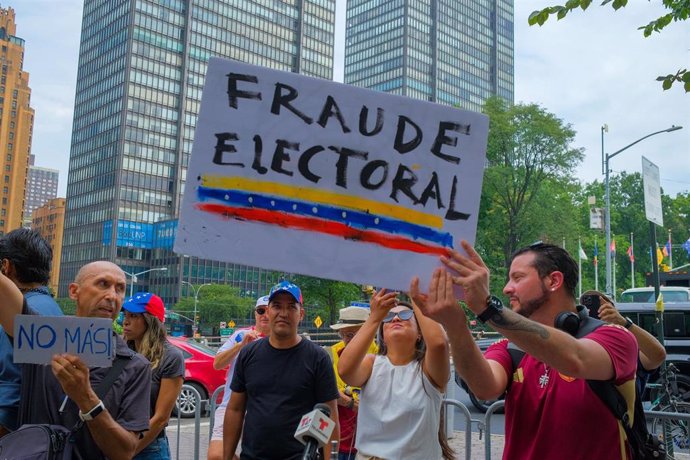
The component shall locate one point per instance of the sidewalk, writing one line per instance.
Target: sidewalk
(457, 443)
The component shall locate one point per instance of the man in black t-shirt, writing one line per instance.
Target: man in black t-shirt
(277, 380)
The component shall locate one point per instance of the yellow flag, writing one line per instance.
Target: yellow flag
(659, 255)
(660, 303)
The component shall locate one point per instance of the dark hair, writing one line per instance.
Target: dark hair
(549, 258)
(30, 254)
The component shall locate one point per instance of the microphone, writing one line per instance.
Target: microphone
(314, 429)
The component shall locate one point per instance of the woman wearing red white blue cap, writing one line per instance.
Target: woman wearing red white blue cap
(144, 332)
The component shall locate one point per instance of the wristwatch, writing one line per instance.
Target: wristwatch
(493, 306)
(93, 413)
(628, 323)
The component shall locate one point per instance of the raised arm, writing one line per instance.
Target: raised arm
(486, 379)
(436, 363)
(354, 365)
(652, 353)
(579, 358)
(12, 301)
(225, 357)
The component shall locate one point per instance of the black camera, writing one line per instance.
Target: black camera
(592, 302)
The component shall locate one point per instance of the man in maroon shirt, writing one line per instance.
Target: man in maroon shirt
(551, 412)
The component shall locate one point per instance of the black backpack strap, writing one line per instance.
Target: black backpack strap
(114, 372)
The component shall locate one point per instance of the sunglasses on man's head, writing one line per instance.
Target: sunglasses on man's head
(260, 310)
(404, 315)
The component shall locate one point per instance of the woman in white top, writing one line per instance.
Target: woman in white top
(402, 387)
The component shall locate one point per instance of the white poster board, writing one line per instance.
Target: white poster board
(302, 175)
(652, 192)
(38, 338)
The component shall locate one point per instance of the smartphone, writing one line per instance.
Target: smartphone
(592, 302)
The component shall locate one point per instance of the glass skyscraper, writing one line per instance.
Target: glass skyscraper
(446, 51)
(140, 78)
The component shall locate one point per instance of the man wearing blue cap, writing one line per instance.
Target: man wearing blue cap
(276, 382)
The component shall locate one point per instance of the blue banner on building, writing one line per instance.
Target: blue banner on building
(141, 235)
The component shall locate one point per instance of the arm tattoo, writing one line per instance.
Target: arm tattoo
(518, 323)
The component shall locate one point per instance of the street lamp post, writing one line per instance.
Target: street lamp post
(605, 158)
(196, 300)
(133, 277)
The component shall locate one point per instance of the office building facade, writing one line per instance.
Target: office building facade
(445, 51)
(141, 74)
(16, 123)
(41, 187)
(49, 221)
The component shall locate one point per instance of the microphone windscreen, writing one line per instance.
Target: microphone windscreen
(323, 408)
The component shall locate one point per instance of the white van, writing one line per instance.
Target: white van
(646, 294)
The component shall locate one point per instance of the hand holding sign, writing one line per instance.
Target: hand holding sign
(381, 302)
(440, 304)
(73, 376)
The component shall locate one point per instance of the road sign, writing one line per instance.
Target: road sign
(652, 192)
(231, 323)
(223, 325)
(318, 322)
(227, 332)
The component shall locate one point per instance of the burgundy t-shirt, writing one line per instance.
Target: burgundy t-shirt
(551, 415)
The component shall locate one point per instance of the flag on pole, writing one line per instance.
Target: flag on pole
(595, 261)
(667, 248)
(583, 255)
(613, 246)
(630, 254)
(686, 246)
(659, 255)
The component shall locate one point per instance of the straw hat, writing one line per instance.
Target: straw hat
(351, 317)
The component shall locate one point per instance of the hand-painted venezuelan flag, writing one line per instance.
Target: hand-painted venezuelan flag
(302, 208)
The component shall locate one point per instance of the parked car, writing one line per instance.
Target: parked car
(646, 294)
(199, 373)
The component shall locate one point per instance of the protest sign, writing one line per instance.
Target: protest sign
(303, 175)
(38, 338)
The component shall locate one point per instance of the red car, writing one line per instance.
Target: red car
(199, 373)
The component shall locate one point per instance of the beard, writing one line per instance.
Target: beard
(527, 308)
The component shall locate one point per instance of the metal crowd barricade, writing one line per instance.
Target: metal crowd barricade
(468, 424)
(197, 422)
(213, 405)
(487, 426)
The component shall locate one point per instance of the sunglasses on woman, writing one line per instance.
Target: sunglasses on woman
(404, 315)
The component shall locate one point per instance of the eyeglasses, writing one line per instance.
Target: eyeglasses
(347, 335)
(403, 315)
(260, 311)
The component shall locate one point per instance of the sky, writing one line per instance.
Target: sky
(590, 69)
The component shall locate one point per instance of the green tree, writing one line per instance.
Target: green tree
(527, 192)
(678, 10)
(217, 303)
(326, 297)
(67, 305)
